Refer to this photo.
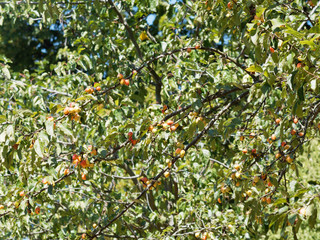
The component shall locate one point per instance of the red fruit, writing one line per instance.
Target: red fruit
(169, 122)
(173, 128)
(197, 46)
(301, 134)
(83, 163)
(245, 151)
(130, 134)
(230, 5)
(189, 50)
(293, 132)
(75, 157)
(144, 179)
(134, 142)
(37, 210)
(278, 120)
(83, 176)
(295, 120)
(271, 49)
(120, 76)
(299, 65)
(126, 82)
(283, 144)
(83, 236)
(134, 72)
(254, 150)
(98, 88)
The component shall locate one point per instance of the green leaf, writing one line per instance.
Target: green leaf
(38, 148)
(254, 68)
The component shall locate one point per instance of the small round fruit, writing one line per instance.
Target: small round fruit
(293, 132)
(271, 49)
(166, 174)
(189, 50)
(249, 193)
(197, 234)
(182, 153)
(170, 122)
(238, 175)
(233, 176)
(295, 120)
(230, 5)
(301, 134)
(66, 171)
(94, 225)
(88, 90)
(126, 82)
(178, 150)
(130, 134)
(283, 144)
(1, 207)
(122, 81)
(83, 236)
(278, 155)
(299, 65)
(83, 176)
(21, 193)
(66, 111)
(278, 120)
(197, 46)
(245, 151)
(269, 200)
(98, 88)
(273, 137)
(241, 138)
(37, 210)
(254, 150)
(45, 181)
(120, 76)
(289, 159)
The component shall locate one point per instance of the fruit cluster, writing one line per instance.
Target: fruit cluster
(149, 183)
(73, 110)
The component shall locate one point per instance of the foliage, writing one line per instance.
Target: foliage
(192, 126)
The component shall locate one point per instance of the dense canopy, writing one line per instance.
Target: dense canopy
(180, 119)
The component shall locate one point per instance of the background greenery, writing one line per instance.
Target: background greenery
(159, 119)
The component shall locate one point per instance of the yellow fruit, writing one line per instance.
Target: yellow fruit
(197, 234)
(182, 153)
(169, 163)
(1, 207)
(241, 138)
(289, 159)
(278, 155)
(238, 184)
(94, 225)
(166, 174)
(143, 36)
(249, 193)
(238, 175)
